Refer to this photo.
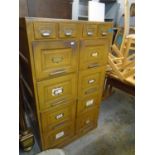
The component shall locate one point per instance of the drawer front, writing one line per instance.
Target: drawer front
(93, 53)
(87, 121)
(90, 31)
(54, 58)
(91, 81)
(88, 103)
(43, 30)
(68, 30)
(105, 30)
(57, 91)
(58, 136)
(59, 115)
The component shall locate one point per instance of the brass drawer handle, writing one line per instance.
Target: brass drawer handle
(59, 116)
(94, 54)
(91, 81)
(58, 125)
(46, 33)
(104, 34)
(57, 91)
(93, 65)
(68, 33)
(89, 103)
(89, 33)
(90, 91)
(59, 135)
(58, 72)
(59, 102)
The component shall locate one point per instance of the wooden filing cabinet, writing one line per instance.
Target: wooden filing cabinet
(62, 70)
(54, 91)
(93, 53)
(87, 121)
(54, 57)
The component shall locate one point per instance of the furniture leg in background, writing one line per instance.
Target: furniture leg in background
(26, 138)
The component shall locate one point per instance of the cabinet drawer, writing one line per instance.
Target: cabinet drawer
(91, 81)
(56, 116)
(57, 91)
(43, 30)
(88, 103)
(87, 121)
(105, 30)
(93, 53)
(59, 135)
(68, 30)
(90, 31)
(54, 58)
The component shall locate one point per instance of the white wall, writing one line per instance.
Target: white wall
(121, 10)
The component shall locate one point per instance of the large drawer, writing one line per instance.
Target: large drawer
(93, 53)
(57, 91)
(45, 30)
(91, 81)
(59, 115)
(87, 121)
(59, 135)
(54, 58)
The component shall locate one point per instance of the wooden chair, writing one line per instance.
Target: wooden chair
(121, 61)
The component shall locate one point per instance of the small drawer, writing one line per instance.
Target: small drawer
(58, 136)
(90, 31)
(56, 116)
(43, 30)
(88, 103)
(57, 91)
(55, 58)
(93, 53)
(106, 30)
(91, 81)
(87, 121)
(68, 30)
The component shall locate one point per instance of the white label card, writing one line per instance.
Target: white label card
(59, 116)
(87, 121)
(89, 102)
(91, 81)
(57, 91)
(95, 54)
(59, 135)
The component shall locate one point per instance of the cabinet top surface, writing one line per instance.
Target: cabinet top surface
(33, 19)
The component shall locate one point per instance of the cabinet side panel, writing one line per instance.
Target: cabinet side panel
(26, 77)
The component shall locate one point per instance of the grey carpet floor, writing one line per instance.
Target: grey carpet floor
(115, 134)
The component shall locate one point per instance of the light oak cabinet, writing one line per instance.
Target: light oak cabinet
(43, 30)
(63, 65)
(93, 53)
(55, 116)
(56, 90)
(55, 57)
(87, 121)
